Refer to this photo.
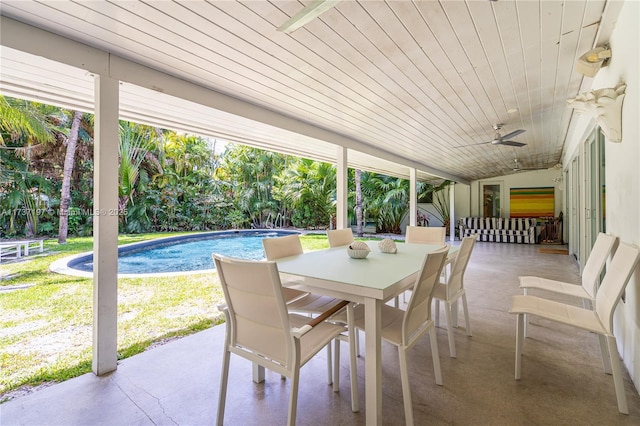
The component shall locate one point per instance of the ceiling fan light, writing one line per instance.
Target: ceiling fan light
(310, 12)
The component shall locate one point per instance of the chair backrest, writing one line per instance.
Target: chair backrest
(257, 315)
(455, 282)
(418, 310)
(340, 237)
(620, 269)
(425, 234)
(594, 266)
(279, 247)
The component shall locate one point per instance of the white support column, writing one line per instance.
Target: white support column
(413, 197)
(341, 188)
(452, 216)
(105, 226)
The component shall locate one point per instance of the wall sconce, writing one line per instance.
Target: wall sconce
(590, 63)
(557, 182)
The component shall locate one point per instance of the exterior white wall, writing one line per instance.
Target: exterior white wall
(622, 171)
(434, 217)
(623, 174)
(462, 201)
(468, 197)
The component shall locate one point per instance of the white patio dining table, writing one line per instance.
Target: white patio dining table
(371, 281)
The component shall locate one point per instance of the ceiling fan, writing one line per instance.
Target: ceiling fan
(518, 168)
(499, 139)
(503, 140)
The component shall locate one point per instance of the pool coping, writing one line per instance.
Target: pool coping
(61, 266)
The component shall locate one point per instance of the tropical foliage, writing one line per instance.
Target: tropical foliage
(307, 188)
(438, 195)
(169, 181)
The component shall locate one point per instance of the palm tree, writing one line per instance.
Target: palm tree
(252, 171)
(358, 176)
(65, 193)
(439, 196)
(388, 199)
(308, 187)
(136, 143)
(22, 121)
(23, 127)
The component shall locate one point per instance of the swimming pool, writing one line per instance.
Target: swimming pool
(180, 254)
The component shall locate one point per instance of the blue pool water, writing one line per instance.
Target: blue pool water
(184, 253)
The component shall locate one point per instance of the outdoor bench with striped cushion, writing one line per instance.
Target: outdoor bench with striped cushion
(499, 229)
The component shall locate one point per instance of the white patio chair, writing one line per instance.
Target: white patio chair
(297, 301)
(260, 329)
(340, 237)
(602, 248)
(598, 320)
(279, 247)
(404, 328)
(310, 304)
(452, 290)
(425, 234)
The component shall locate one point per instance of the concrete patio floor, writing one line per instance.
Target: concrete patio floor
(177, 384)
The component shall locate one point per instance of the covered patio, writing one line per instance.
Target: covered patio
(563, 382)
(411, 89)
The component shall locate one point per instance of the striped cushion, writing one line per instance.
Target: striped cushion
(497, 229)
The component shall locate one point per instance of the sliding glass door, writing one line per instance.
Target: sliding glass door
(595, 218)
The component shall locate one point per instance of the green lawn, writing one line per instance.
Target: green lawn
(46, 318)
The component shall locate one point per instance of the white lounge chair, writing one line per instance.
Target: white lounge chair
(598, 320)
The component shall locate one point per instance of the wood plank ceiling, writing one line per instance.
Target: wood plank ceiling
(424, 80)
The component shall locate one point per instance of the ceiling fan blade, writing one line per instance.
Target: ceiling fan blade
(310, 12)
(514, 133)
(509, 143)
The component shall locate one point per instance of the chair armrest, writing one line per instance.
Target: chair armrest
(299, 332)
(326, 314)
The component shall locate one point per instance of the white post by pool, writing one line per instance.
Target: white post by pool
(413, 197)
(105, 226)
(341, 187)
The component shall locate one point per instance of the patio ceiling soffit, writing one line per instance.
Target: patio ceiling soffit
(39, 42)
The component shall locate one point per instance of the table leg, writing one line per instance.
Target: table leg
(373, 364)
(258, 373)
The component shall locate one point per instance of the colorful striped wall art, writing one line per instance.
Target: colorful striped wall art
(532, 202)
